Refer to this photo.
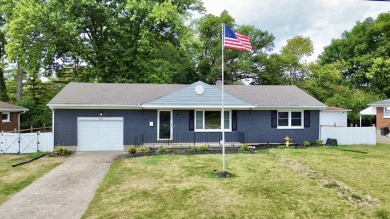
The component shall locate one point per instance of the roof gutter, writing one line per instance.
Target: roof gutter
(92, 106)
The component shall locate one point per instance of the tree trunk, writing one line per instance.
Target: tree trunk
(19, 84)
(3, 88)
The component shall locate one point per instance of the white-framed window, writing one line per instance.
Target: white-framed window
(211, 120)
(386, 112)
(6, 117)
(290, 119)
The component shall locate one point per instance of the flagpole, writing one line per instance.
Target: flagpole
(223, 105)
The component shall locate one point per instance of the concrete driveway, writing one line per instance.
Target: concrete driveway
(64, 192)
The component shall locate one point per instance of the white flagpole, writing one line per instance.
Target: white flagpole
(223, 105)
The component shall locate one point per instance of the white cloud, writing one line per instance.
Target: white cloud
(321, 20)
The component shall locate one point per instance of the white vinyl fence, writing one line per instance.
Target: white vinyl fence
(12, 143)
(349, 135)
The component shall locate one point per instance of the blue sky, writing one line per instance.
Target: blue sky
(321, 20)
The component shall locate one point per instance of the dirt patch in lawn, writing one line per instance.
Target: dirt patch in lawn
(361, 201)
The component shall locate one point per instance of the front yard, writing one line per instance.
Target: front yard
(277, 183)
(14, 179)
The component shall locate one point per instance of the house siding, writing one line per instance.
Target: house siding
(380, 121)
(12, 124)
(255, 124)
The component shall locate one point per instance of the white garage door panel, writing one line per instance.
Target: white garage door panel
(100, 134)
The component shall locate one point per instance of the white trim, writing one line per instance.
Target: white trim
(92, 106)
(289, 120)
(212, 130)
(9, 117)
(170, 124)
(384, 112)
(196, 107)
(100, 118)
(14, 110)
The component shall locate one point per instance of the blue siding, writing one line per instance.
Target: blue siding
(255, 124)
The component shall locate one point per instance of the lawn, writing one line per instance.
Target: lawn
(14, 179)
(264, 185)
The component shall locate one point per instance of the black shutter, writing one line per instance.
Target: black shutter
(191, 120)
(274, 118)
(234, 120)
(307, 118)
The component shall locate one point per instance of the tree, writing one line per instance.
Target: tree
(102, 41)
(237, 64)
(3, 89)
(359, 48)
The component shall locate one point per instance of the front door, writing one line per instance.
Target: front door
(165, 125)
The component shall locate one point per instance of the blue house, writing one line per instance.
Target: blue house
(101, 116)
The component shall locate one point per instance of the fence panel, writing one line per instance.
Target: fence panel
(349, 135)
(12, 143)
(45, 142)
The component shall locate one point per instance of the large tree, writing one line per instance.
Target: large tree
(367, 41)
(237, 64)
(103, 41)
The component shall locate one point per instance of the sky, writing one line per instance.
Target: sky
(320, 20)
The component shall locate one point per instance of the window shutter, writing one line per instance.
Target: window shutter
(191, 120)
(307, 118)
(234, 120)
(274, 118)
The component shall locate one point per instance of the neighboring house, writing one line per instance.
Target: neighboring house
(101, 116)
(334, 116)
(382, 113)
(10, 116)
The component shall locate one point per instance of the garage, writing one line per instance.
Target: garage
(100, 134)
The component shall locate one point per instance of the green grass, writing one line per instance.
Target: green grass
(184, 186)
(14, 179)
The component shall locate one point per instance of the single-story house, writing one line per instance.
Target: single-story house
(10, 116)
(334, 116)
(103, 116)
(382, 113)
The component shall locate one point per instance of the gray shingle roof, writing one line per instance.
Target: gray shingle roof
(4, 107)
(135, 94)
(381, 103)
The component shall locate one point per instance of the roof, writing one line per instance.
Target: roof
(209, 96)
(384, 103)
(7, 107)
(335, 109)
(368, 111)
(112, 95)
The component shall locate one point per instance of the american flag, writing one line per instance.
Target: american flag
(236, 41)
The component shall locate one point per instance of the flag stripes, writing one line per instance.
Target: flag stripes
(236, 41)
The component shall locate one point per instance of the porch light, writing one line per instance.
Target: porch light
(101, 113)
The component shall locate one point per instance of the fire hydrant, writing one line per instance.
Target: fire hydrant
(287, 139)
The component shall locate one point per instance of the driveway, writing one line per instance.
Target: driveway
(64, 192)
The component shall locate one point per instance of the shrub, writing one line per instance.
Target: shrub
(143, 150)
(132, 150)
(193, 149)
(306, 143)
(162, 150)
(319, 142)
(60, 151)
(203, 148)
(244, 147)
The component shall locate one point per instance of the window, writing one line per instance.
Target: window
(6, 117)
(386, 112)
(211, 120)
(290, 119)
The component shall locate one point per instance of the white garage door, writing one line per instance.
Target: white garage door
(100, 134)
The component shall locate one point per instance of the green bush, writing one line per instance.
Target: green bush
(162, 150)
(193, 149)
(203, 148)
(143, 150)
(60, 151)
(319, 143)
(306, 143)
(132, 150)
(244, 147)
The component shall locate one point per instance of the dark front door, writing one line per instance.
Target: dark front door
(164, 129)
